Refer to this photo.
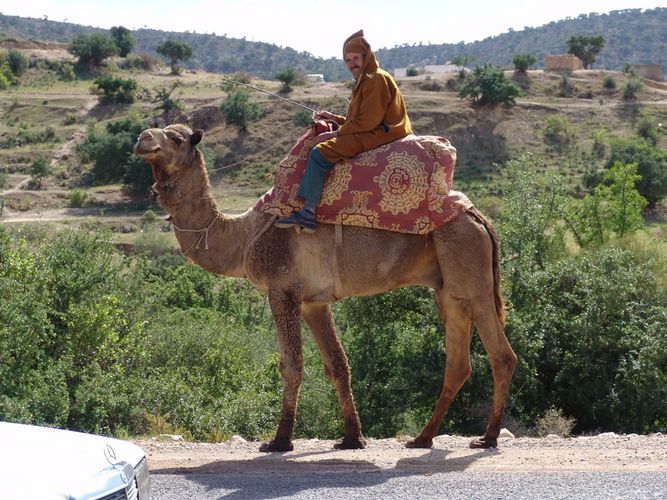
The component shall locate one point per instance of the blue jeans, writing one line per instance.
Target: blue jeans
(317, 171)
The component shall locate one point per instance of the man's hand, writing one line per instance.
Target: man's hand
(323, 115)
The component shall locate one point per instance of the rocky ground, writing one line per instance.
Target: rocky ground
(601, 453)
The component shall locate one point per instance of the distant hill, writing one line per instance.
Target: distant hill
(632, 36)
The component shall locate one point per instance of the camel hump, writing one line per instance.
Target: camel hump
(403, 186)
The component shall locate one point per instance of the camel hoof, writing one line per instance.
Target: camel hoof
(350, 444)
(274, 445)
(484, 442)
(419, 443)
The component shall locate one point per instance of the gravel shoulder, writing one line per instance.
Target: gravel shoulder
(602, 453)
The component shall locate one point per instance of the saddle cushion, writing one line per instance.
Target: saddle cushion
(403, 186)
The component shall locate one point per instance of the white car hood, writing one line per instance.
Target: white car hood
(44, 463)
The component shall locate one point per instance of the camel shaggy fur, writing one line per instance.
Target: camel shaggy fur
(303, 273)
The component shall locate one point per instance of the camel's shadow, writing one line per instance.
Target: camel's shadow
(278, 475)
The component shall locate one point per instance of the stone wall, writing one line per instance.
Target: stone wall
(650, 71)
(562, 62)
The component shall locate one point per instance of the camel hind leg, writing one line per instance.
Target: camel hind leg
(336, 369)
(503, 361)
(468, 254)
(457, 317)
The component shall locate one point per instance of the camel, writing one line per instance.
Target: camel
(303, 273)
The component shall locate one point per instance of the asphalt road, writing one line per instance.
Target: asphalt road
(392, 484)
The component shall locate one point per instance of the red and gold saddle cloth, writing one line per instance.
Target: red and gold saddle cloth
(403, 186)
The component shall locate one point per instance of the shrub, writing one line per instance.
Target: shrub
(239, 110)
(565, 87)
(287, 77)
(116, 90)
(652, 166)
(164, 99)
(554, 422)
(77, 197)
(523, 61)
(488, 86)
(412, 71)
(302, 118)
(631, 87)
(39, 169)
(558, 131)
(111, 152)
(430, 84)
(647, 128)
(608, 82)
(599, 143)
(17, 62)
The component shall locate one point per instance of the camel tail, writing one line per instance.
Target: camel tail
(498, 296)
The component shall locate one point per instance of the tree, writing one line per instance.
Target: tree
(287, 77)
(585, 48)
(92, 49)
(652, 168)
(615, 206)
(39, 169)
(175, 51)
(123, 39)
(523, 61)
(462, 61)
(488, 86)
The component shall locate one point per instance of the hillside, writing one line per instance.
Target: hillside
(632, 36)
(47, 117)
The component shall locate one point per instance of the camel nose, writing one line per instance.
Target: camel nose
(146, 134)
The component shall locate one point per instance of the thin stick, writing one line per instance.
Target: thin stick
(270, 93)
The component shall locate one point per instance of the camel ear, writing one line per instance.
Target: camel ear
(196, 137)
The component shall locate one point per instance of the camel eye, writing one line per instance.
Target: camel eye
(175, 136)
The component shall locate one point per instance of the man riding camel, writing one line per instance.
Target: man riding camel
(375, 116)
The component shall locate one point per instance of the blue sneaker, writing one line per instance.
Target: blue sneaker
(299, 221)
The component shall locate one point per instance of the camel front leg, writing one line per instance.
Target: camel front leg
(336, 369)
(286, 310)
(457, 316)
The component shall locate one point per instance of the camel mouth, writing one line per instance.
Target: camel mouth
(142, 150)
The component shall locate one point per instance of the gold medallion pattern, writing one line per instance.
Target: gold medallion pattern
(403, 183)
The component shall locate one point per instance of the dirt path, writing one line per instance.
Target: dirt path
(603, 453)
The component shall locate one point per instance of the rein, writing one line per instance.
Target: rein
(203, 233)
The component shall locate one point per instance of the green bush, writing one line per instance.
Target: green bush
(523, 61)
(608, 82)
(287, 77)
(17, 62)
(77, 197)
(302, 118)
(39, 169)
(488, 86)
(116, 90)
(631, 87)
(558, 132)
(589, 337)
(110, 150)
(240, 110)
(652, 168)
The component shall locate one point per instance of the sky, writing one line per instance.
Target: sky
(320, 26)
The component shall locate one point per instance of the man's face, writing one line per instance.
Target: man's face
(354, 62)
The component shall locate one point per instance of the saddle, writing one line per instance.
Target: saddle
(403, 186)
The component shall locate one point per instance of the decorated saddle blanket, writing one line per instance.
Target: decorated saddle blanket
(403, 186)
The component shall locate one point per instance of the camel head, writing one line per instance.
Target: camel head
(168, 150)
